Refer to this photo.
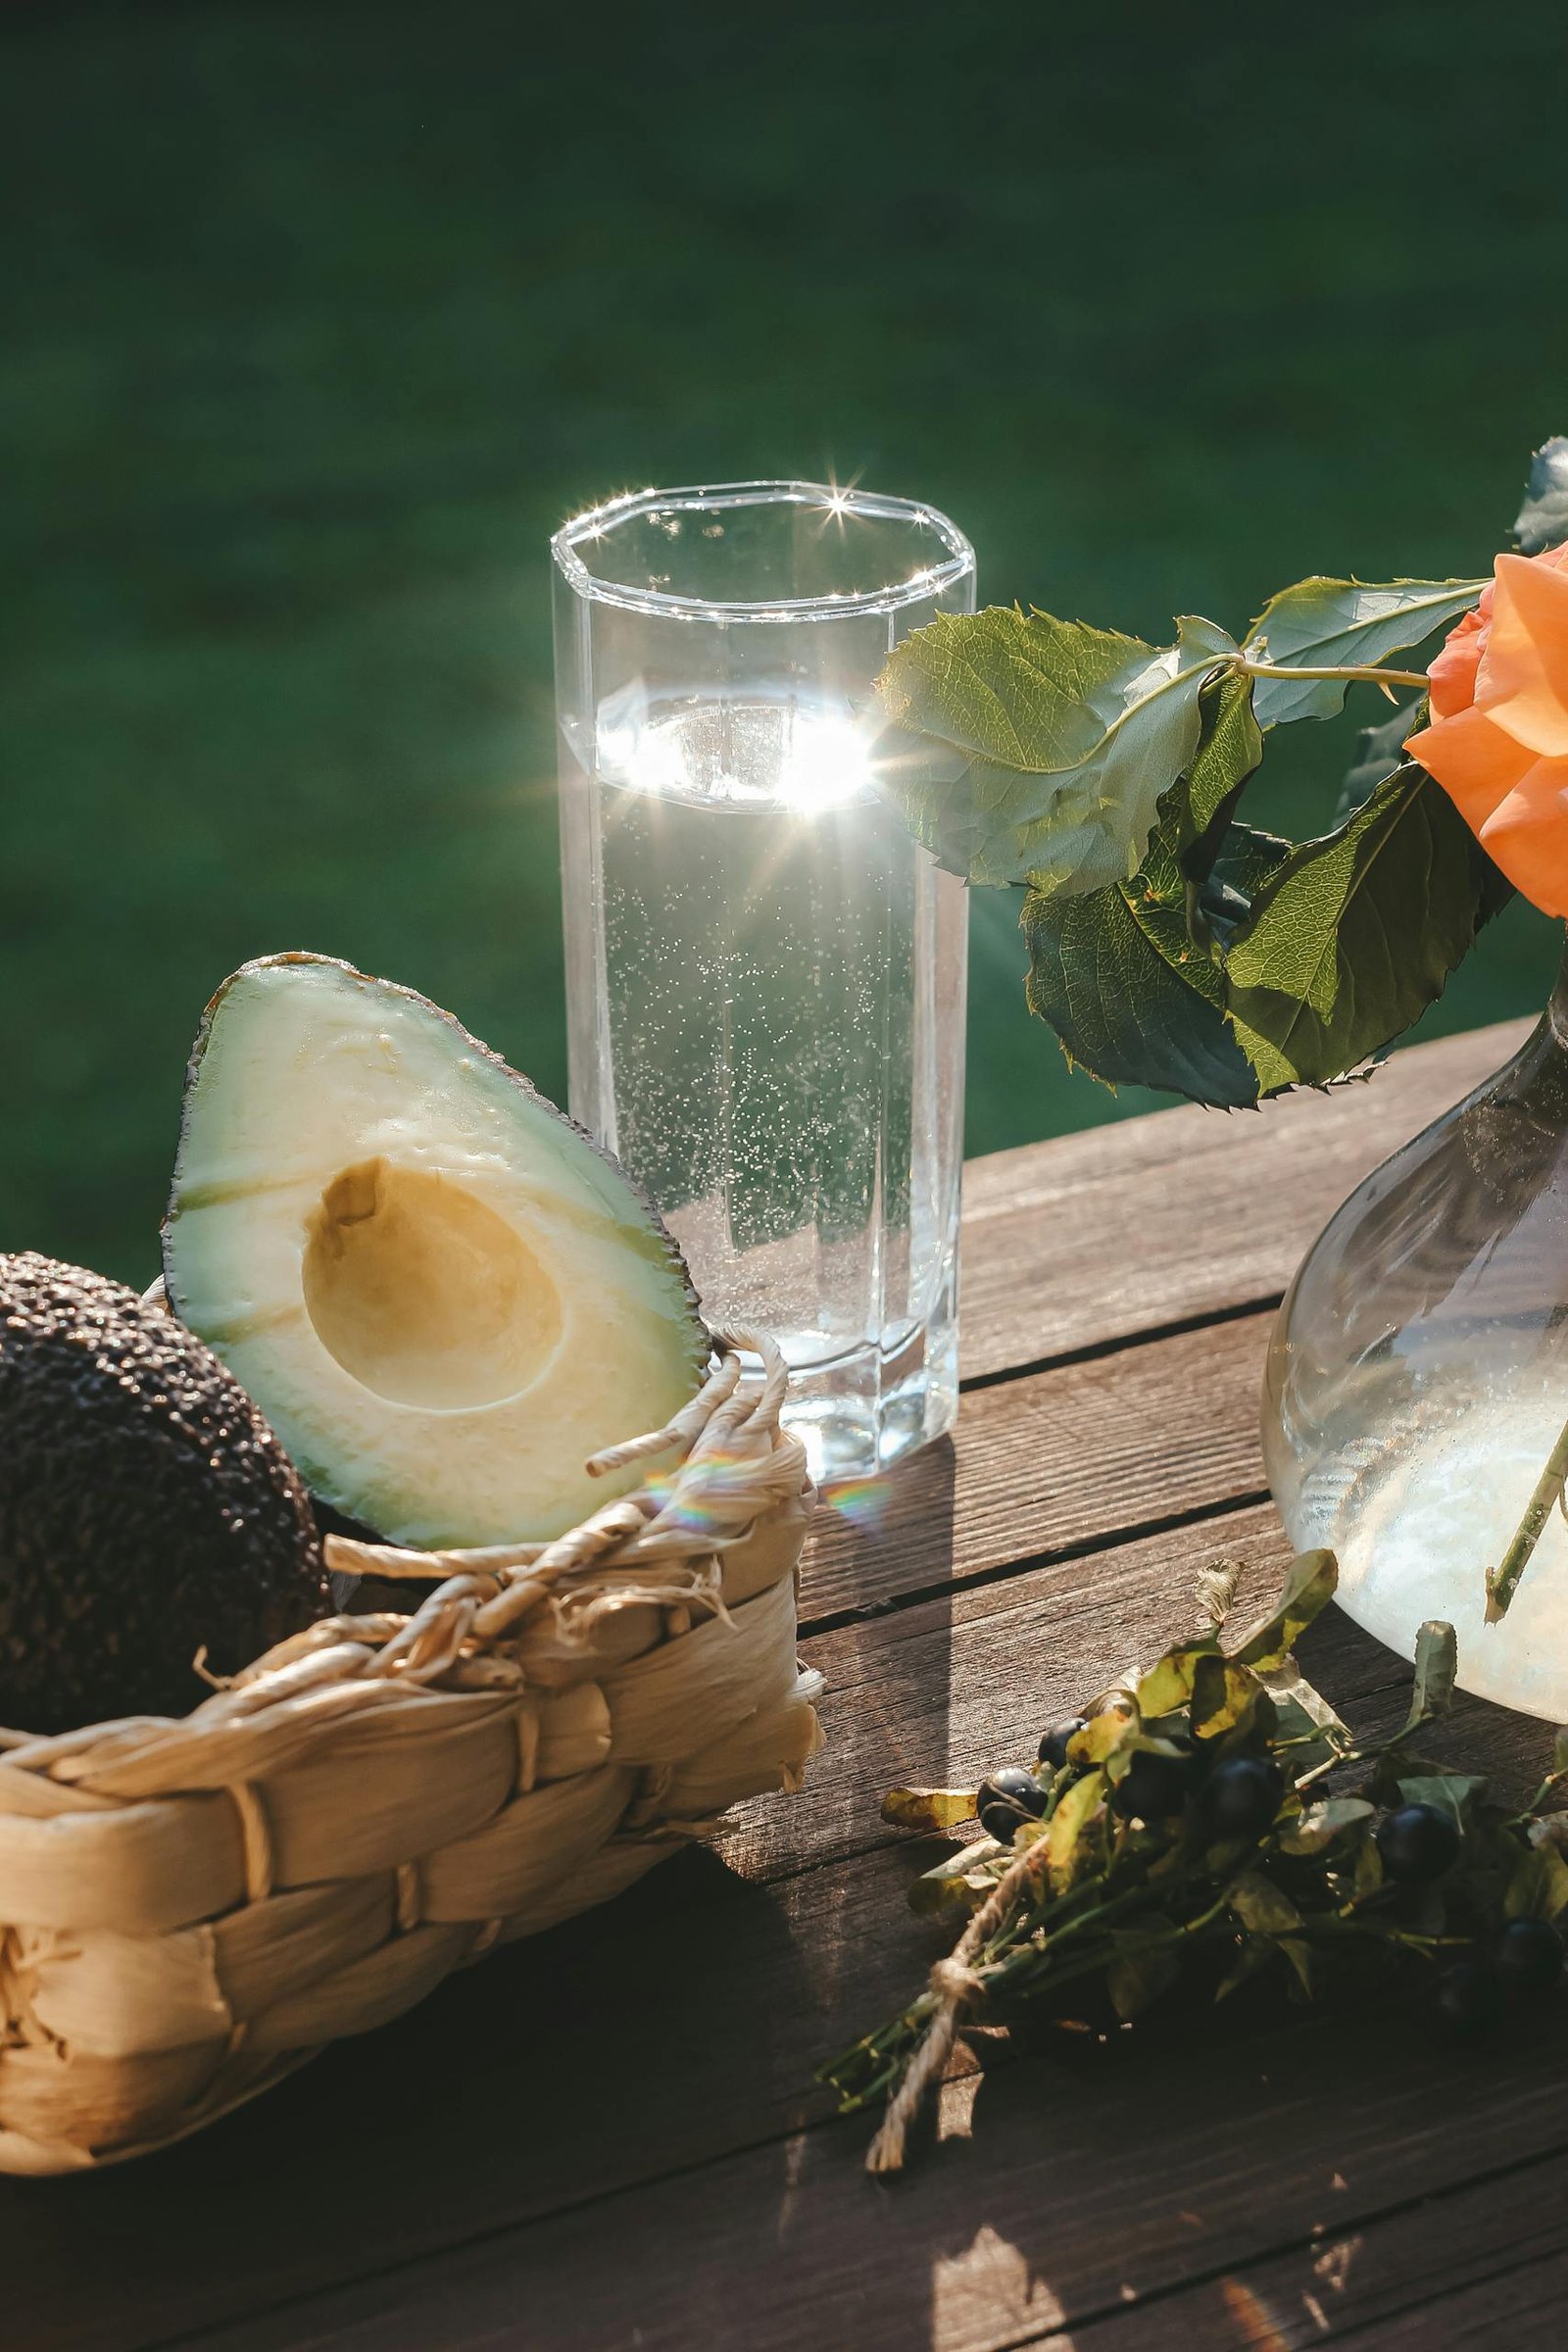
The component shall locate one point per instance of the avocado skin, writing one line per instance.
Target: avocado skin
(145, 1507)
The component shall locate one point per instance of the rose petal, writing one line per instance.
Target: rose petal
(1452, 678)
(1526, 835)
(1477, 764)
(1522, 678)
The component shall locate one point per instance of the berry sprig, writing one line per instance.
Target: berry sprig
(1209, 1814)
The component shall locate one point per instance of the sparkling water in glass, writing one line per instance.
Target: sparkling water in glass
(765, 973)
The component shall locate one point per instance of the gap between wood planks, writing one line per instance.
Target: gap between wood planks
(1093, 1351)
(1137, 1532)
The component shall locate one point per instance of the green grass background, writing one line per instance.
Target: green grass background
(319, 318)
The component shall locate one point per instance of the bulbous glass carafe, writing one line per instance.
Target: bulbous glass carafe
(1418, 1379)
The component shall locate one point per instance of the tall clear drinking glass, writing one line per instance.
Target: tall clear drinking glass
(765, 973)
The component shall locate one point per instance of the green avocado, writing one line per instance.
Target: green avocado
(146, 1510)
(444, 1296)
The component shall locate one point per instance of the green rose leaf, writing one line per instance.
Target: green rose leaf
(1060, 739)
(1283, 966)
(1245, 860)
(1322, 624)
(1230, 745)
(1169, 945)
(1127, 976)
(1351, 938)
(1132, 996)
(1379, 751)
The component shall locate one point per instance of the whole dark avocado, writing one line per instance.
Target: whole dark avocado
(145, 1507)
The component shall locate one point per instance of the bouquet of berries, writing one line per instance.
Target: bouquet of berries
(1215, 1813)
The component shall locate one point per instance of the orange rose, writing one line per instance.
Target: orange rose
(1497, 741)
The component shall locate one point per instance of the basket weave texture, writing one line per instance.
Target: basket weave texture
(190, 1909)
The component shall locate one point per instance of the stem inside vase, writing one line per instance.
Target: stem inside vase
(1417, 1410)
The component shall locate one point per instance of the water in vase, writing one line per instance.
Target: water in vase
(1418, 1379)
(1418, 1476)
(766, 992)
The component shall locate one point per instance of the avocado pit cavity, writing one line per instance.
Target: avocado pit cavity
(423, 1294)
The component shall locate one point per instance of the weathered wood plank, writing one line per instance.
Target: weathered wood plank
(675, 2032)
(1067, 1458)
(1124, 1229)
(939, 1691)
(1090, 2185)
(685, 2021)
(1484, 2264)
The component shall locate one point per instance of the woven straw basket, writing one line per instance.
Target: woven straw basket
(193, 1908)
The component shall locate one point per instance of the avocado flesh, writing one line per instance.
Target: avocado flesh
(146, 1510)
(442, 1293)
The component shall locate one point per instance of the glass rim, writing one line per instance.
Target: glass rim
(701, 498)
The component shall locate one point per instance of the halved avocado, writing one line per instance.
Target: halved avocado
(442, 1293)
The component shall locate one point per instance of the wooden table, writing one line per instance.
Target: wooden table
(610, 2137)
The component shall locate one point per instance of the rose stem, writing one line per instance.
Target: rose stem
(1550, 1490)
(1355, 669)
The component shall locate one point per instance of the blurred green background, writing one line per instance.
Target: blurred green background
(319, 318)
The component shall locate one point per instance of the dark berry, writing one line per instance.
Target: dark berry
(1007, 1797)
(1241, 1796)
(1153, 1787)
(1053, 1743)
(1014, 1787)
(1418, 1844)
(1469, 1998)
(1530, 1955)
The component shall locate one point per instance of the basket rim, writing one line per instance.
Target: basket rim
(663, 1543)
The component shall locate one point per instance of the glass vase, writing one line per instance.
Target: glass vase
(765, 973)
(1417, 1379)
